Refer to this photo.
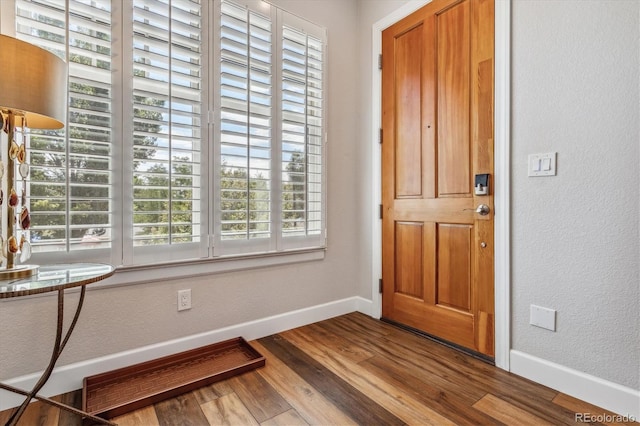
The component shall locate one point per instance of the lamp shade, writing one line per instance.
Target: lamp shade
(33, 82)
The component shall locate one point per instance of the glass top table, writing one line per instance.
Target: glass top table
(54, 278)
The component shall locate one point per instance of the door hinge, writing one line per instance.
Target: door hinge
(380, 61)
(380, 285)
(380, 136)
(381, 211)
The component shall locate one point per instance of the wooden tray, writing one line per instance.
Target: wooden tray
(120, 391)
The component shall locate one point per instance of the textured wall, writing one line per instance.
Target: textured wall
(124, 318)
(369, 12)
(575, 90)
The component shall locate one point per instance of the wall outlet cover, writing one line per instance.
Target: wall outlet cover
(543, 317)
(184, 299)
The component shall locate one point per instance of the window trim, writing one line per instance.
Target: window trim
(127, 275)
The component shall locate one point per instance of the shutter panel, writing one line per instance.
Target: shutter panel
(167, 126)
(302, 133)
(70, 193)
(245, 124)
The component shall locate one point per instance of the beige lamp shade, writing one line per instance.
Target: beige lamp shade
(33, 82)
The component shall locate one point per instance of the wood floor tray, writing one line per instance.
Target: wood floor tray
(120, 391)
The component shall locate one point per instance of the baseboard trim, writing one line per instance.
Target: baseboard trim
(67, 378)
(366, 307)
(594, 390)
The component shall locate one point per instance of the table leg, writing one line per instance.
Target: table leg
(60, 405)
(58, 346)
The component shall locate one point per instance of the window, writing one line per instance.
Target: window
(270, 140)
(199, 133)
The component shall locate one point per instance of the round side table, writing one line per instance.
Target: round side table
(54, 278)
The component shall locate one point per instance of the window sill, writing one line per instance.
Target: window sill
(126, 275)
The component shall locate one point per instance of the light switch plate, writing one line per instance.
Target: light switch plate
(542, 164)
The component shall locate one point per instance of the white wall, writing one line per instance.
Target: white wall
(575, 91)
(125, 318)
(369, 12)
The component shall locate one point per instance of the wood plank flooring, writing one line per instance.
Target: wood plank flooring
(351, 370)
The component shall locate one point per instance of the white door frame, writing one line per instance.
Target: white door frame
(501, 171)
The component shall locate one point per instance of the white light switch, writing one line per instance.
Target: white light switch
(536, 165)
(542, 164)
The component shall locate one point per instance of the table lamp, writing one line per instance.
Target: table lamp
(33, 95)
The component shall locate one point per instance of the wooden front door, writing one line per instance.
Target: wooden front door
(437, 118)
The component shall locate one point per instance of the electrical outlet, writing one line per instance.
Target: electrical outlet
(184, 299)
(543, 317)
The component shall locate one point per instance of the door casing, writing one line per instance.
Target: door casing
(501, 164)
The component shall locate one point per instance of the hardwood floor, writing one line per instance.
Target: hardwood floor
(352, 370)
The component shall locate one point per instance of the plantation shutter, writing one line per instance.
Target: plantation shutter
(69, 186)
(303, 133)
(167, 98)
(244, 173)
(190, 134)
(270, 158)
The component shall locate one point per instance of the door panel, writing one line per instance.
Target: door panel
(453, 46)
(454, 266)
(409, 146)
(409, 254)
(437, 115)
